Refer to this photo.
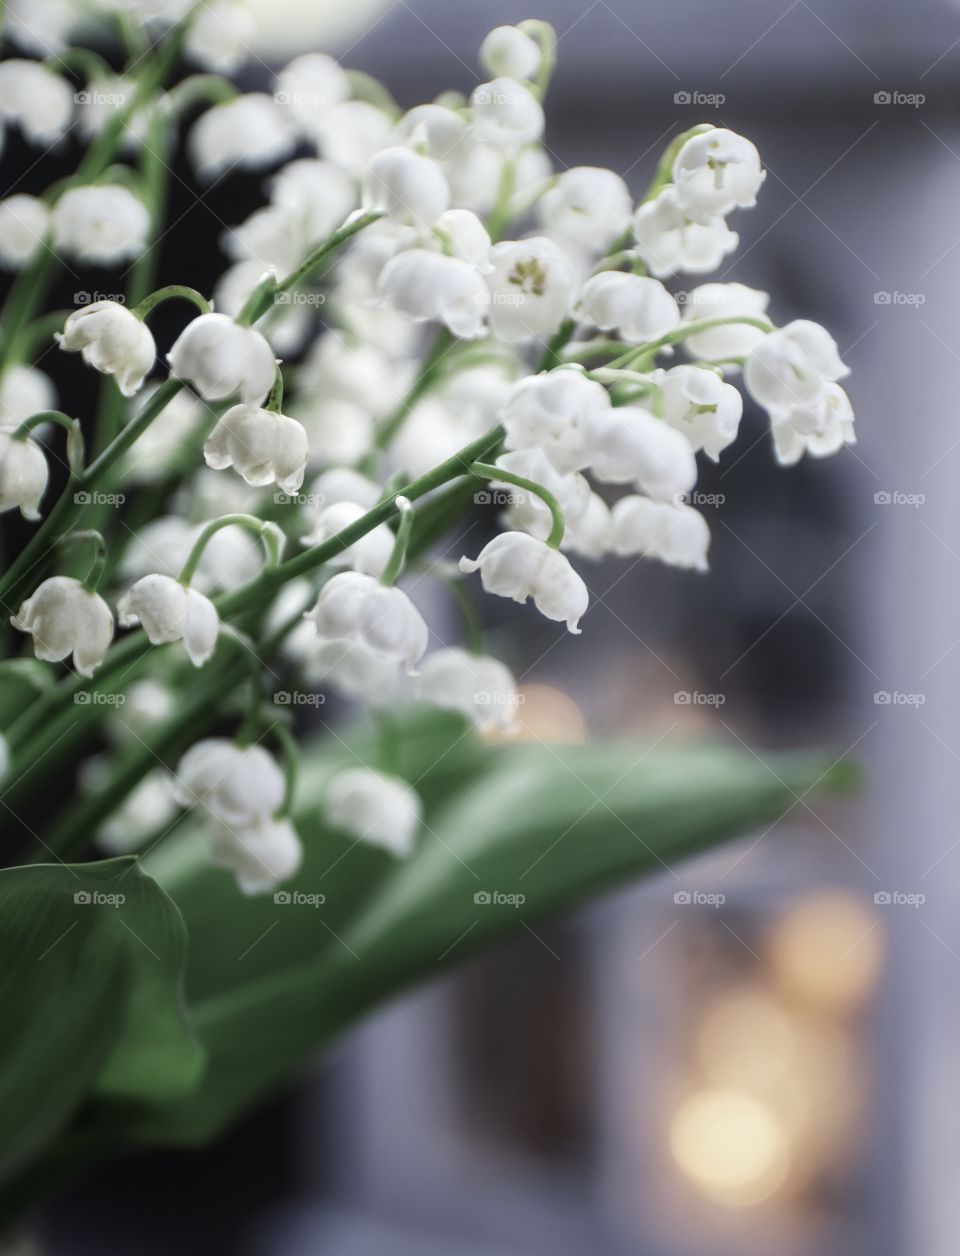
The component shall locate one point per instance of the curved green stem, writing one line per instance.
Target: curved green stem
(265, 532)
(91, 581)
(291, 765)
(171, 292)
(500, 476)
(398, 556)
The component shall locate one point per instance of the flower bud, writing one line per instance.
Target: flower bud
(639, 308)
(586, 206)
(789, 367)
(506, 113)
(23, 475)
(237, 786)
(510, 53)
(220, 357)
(262, 446)
(382, 810)
(630, 444)
(261, 855)
(356, 607)
(101, 224)
(169, 611)
(24, 221)
(411, 190)
(675, 533)
(426, 286)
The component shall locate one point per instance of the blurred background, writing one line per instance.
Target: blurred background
(754, 1053)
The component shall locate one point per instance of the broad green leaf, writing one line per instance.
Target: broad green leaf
(88, 997)
(556, 824)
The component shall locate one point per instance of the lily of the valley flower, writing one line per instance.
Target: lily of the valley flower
(411, 190)
(24, 391)
(673, 532)
(586, 206)
(220, 357)
(426, 286)
(715, 172)
(819, 429)
(725, 300)
(554, 412)
(382, 810)
(220, 35)
(356, 607)
(669, 240)
(64, 617)
(529, 512)
(789, 367)
(170, 611)
(23, 475)
(23, 224)
(370, 554)
(506, 113)
(310, 86)
(639, 308)
(477, 686)
(631, 445)
(250, 132)
(507, 52)
(518, 566)
(532, 288)
(261, 855)
(40, 101)
(102, 224)
(699, 404)
(261, 445)
(113, 340)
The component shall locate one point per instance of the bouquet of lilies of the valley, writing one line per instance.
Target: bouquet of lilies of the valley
(204, 883)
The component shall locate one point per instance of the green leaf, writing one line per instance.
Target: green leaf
(88, 997)
(555, 824)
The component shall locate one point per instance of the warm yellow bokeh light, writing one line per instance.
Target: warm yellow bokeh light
(746, 1041)
(828, 949)
(545, 713)
(731, 1146)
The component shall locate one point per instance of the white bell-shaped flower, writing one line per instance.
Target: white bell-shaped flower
(261, 855)
(220, 358)
(220, 35)
(356, 607)
(506, 113)
(351, 133)
(262, 446)
(24, 221)
(64, 618)
(37, 100)
(698, 403)
(587, 206)
(411, 190)
(370, 554)
(427, 286)
(669, 240)
(674, 533)
(238, 786)
(532, 289)
(24, 391)
(170, 611)
(42, 27)
(510, 53)
(314, 197)
(113, 340)
(529, 512)
(23, 475)
(382, 810)
(350, 667)
(639, 308)
(310, 86)
(476, 686)
(102, 224)
(820, 428)
(789, 367)
(589, 535)
(630, 444)
(554, 412)
(248, 132)
(724, 300)
(715, 172)
(518, 566)
(343, 484)
(460, 233)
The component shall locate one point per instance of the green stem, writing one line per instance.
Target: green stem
(170, 293)
(499, 475)
(265, 532)
(398, 556)
(93, 577)
(291, 764)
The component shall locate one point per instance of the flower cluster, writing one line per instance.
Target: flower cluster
(422, 299)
